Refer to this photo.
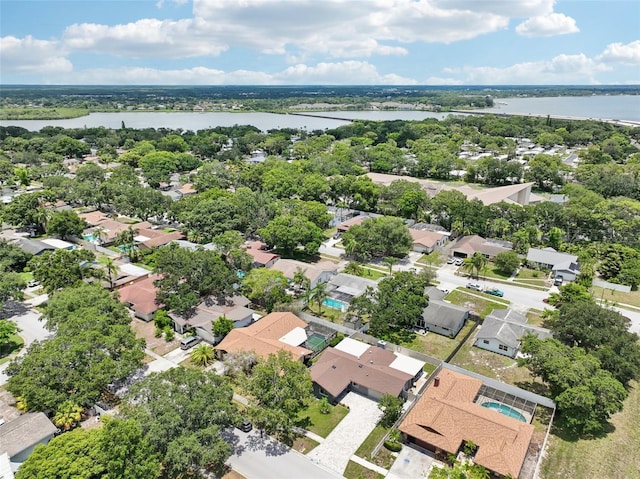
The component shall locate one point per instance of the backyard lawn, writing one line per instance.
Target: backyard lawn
(437, 345)
(632, 298)
(480, 303)
(13, 345)
(614, 456)
(319, 423)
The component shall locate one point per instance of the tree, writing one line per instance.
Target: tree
(395, 307)
(202, 355)
(65, 223)
(378, 237)
(318, 294)
(459, 470)
(266, 287)
(476, 263)
(67, 415)
(61, 268)
(73, 454)
(187, 276)
(280, 388)
(26, 210)
(127, 241)
(157, 166)
(507, 262)
(222, 326)
(391, 407)
(287, 232)
(11, 286)
(586, 394)
(93, 334)
(111, 269)
(7, 329)
(182, 412)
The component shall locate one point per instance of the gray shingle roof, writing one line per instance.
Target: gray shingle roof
(25, 431)
(549, 256)
(509, 328)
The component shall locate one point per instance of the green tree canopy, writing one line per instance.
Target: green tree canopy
(61, 268)
(378, 237)
(65, 223)
(266, 287)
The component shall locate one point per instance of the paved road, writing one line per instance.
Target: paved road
(264, 458)
(28, 320)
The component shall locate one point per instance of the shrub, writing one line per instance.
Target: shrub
(393, 445)
(158, 332)
(169, 334)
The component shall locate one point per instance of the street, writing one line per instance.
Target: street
(258, 457)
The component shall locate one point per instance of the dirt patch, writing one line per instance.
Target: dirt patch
(8, 410)
(147, 332)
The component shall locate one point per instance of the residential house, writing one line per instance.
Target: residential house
(262, 257)
(319, 272)
(282, 331)
(424, 241)
(141, 296)
(20, 436)
(210, 310)
(356, 220)
(343, 287)
(560, 264)
(33, 247)
(447, 416)
(187, 190)
(147, 238)
(368, 370)
(467, 246)
(440, 316)
(502, 330)
(59, 244)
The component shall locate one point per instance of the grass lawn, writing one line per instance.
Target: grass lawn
(614, 456)
(437, 345)
(632, 298)
(526, 273)
(476, 301)
(384, 458)
(492, 272)
(534, 317)
(371, 273)
(490, 364)
(322, 424)
(356, 471)
(13, 345)
(434, 258)
(304, 445)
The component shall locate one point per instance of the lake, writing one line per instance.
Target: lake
(622, 107)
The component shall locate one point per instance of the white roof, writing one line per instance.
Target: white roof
(352, 347)
(295, 337)
(57, 243)
(141, 239)
(406, 364)
(133, 270)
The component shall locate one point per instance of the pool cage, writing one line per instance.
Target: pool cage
(487, 394)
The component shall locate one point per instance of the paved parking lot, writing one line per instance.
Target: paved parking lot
(336, 450)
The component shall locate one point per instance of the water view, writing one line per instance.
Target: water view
(622, 107)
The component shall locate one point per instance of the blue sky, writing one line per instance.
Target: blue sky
(264, 42)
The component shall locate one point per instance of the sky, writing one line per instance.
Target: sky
(320, 42)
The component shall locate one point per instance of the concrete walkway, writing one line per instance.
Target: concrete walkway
(370, 465)
(338, 447)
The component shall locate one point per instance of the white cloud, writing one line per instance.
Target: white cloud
(560, 70)
(303, 28)
(144, 38)
(347, 73)
(547, 26)
(620, 53)
(31, 55)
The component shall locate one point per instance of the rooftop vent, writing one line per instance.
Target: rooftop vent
(436, 381)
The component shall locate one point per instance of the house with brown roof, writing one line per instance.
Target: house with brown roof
(368, 370)
(147, 238)
(281, 331)
(467, 246)
(319, 272)
(141, 296)
(210, 310)
(424, 241)
(262, 257)
(447, 415)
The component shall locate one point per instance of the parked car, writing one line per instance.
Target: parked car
(474, 286)
(494, 292)
(32, 284)
(459, 262)
(245, 426)
(558, 281)
(450, 260)
(189, 342)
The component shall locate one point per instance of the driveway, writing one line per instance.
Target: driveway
(410, 463)
(336, 450)
(258, 457)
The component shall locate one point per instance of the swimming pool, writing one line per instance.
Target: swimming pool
(91, 238)
(506, 410)
(335, 304)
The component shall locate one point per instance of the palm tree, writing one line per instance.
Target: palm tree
(355, 268)
(203, 355)
(299, 280)
(68, 415)
(100, 235)
(126, 239)
(111, 270)
(476, 263)
(319, 294)
(390, 261)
